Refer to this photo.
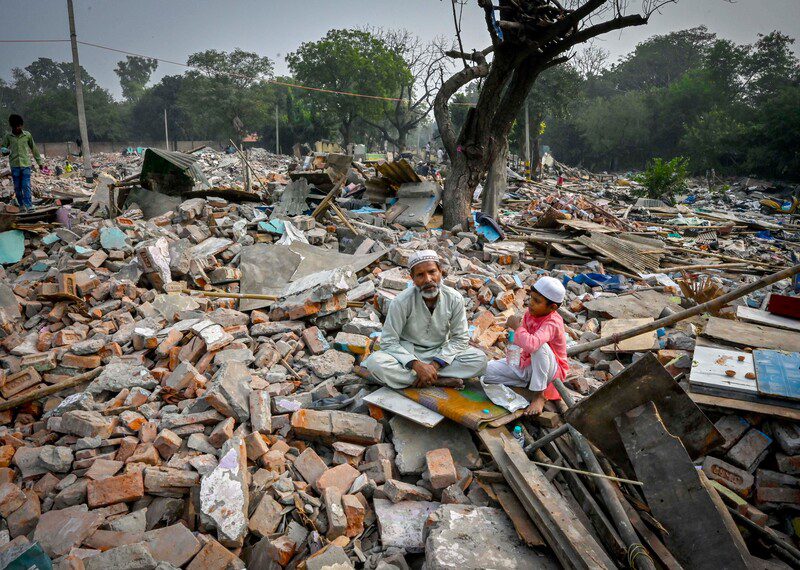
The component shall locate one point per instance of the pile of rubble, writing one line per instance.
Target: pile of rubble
(184, 391)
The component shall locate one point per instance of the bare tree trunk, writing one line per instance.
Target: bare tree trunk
(496, 182)
(458, 189)
(400, 141)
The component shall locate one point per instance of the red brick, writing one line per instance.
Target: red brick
(340, 477)
(441, 468)
(11, 498)
(355, 512)
(70, 360)
(20, 381)
(213, 556)
(120, 489)
(314, 340)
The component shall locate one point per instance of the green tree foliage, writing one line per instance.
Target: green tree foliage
(663, 179)
(134, 73)
(226, 86)
(728, 107)
(354, 61)
(44, 94)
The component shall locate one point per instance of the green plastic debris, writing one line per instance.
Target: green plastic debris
(12, 246)
(113, 238)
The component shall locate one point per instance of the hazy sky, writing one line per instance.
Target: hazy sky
(173, 29)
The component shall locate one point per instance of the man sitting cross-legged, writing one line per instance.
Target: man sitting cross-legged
(425, 339)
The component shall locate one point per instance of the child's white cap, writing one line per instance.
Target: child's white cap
(551, 289)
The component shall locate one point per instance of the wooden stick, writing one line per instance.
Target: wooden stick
(716, 255)
(710, 266)
(247, 162)
(677, 317)
(42, 392)
(319, 210)
(226, 295)
(343, 217)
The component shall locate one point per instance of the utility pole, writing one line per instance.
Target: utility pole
(73, 38)
(527, 140)
(166, 130)
(277, 132)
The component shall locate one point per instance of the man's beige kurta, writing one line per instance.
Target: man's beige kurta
(412, 332)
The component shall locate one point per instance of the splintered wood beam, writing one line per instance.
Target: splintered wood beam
(572, 543)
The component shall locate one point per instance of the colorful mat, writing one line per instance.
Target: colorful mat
(469, 407)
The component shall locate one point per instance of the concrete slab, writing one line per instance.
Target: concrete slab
(412, 441)
(466, 536)
(401, 524)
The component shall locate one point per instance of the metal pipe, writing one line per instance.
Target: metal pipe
(609, 495)
(696, 310)
(552, 436)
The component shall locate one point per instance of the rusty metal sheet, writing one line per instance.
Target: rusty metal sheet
(643, 381)
(626, 253)
(398, 172)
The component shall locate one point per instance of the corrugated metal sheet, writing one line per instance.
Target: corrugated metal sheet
(398, 172)
(179, 159)
(627, 254)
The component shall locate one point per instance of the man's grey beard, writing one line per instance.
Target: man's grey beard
(430, 293)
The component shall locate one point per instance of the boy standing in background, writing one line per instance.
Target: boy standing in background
(19, 145)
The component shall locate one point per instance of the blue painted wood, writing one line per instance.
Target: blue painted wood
(778, 373)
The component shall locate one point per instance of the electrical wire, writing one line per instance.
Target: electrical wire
(227, 73)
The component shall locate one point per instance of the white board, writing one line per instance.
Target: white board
(760, 317)
(397, 403)
(709, 365)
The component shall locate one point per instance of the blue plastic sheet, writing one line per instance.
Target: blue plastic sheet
(607, 282)
(765, 234)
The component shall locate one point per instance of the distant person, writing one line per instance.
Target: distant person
(19, 145)
(427, 151)
(439, 156)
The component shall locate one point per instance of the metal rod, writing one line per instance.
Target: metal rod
(696, 310)
(552, 436)
(588, 473)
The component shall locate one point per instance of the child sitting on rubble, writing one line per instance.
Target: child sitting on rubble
(541, 347)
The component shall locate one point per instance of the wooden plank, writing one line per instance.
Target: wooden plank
(644, 341)
(395, 402)
(710, 364)
(766, 318)
(701, 533)
(738, 333)
(745, 406)
(643, 381)
(569, 539)
(526, 530)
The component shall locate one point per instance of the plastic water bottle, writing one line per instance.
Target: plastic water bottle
(518, 436)
(513, 352)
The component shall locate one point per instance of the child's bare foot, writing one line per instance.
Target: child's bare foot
(456, 383)
(536, 407)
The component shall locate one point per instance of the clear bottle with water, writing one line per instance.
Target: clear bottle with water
(513, 352)
(519, 436)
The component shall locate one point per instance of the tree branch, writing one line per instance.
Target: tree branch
(441, 105)
(600, 29)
